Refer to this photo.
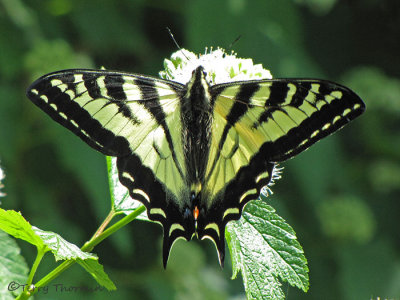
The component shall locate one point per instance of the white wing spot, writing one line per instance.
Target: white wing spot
(337, 94)
(213, 226)
(337, 118)
(44, 98)
(85, 133)
(346, 112)
(262, 176)
(314, 133)
(74, 123)
(142, 193)
(231, 211)
(34, 91)
(303, 142)
(78, 78)
(175, 226)
(158, 211)
(315, 87)
(326, 126)
(252, 191)
(56, 82)
(128, 176)
(53, 106)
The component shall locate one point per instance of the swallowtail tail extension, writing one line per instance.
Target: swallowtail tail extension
(194, 154)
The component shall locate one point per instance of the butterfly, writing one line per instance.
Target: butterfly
(194, 154)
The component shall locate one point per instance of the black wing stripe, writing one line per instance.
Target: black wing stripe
(114, 86)
(70, 80)
(61, 107)
(116, 95)
(301, 93)
(320, 124)
(148, 89)
(278, 93)
(90, 81)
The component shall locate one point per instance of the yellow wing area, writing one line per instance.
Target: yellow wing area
(145, 114)
(149, 139)
(264, 120)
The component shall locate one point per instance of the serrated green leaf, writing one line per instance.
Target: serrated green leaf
(15, 224)
(13, 268)
(121, 201)
(264, 248)
(96, 270)
(61, 249)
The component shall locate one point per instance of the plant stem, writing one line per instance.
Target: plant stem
(26, 293)
(38, 259)
(88, 246)
(103, 225)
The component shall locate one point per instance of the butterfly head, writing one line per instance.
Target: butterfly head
(199, 72)
(198, 81)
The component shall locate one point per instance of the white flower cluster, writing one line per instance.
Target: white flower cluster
(220, 67)
(1, 178)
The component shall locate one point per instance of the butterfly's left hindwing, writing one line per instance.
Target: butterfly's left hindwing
(136, 119)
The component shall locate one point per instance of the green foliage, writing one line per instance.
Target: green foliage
(264, 247)
(60, 183)
(13, 267)
(96, 270)
(15, 225)
(39, 62)
(346, 219)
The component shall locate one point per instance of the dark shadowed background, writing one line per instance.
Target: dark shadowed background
(342, 196)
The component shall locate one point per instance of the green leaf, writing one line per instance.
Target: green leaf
(61, 249)
(96, 270)
(14, 224)
(13, 268)
(264, 248)
(121, 201)
(64, 250)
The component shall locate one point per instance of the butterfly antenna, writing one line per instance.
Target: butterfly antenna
(234, 42)
(176, 43)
